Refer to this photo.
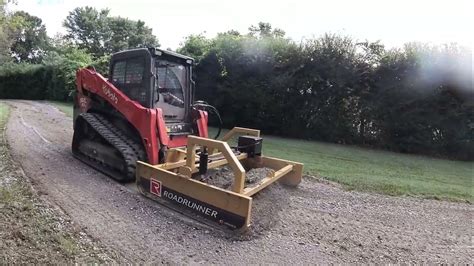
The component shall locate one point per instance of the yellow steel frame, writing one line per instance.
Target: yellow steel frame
(181, 164)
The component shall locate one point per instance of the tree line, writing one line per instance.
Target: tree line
(414, 99)
(35, 66)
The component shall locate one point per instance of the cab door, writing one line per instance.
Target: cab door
(131, 73)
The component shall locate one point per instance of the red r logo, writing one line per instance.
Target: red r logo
(155, 187)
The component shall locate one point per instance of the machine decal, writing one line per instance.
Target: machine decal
(84, 103)
(190, 204)
(109, 93)
(208, 211)
(155, 187)
(220, 216)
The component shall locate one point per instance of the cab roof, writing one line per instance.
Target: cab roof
(152, 51)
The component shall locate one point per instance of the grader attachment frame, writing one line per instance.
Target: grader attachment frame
(176, 182)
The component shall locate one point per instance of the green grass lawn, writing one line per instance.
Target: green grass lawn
(375, 170)
(371, 170)
(378, 171)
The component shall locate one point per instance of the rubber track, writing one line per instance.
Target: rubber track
(141, 155)
(117, 140)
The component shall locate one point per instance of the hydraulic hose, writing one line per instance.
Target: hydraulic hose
(202, 105)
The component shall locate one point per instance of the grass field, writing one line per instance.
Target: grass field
(379, 171)
(373, 170)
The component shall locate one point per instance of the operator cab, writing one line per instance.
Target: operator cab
(155, 78)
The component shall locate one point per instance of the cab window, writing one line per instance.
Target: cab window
(128, 75)
(128, 71)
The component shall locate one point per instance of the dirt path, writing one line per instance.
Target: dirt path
(31, 230)
(317, 222)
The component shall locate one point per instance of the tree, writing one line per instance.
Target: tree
(196, 46)
(126, 33)
(239, 75)
(88, 28)
(30, 40)
(142, 36)
(7, 26)
(420, 106)
(368, 59)
(264, 29)
(101, 34)
(63, 63)
(4, 43)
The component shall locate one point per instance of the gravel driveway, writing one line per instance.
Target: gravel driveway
(317, 222)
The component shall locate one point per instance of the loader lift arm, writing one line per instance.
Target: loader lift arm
(148, 121)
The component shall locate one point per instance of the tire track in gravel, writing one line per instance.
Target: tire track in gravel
(317, 222)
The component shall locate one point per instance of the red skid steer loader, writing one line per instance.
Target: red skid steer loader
(142, 124)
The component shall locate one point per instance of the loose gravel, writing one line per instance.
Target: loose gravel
(223, 177)
(317, 222)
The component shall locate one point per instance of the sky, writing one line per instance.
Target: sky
(393, 22)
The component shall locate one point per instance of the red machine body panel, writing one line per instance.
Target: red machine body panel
(149, 122)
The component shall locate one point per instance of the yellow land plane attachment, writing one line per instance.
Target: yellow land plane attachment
(177, 182)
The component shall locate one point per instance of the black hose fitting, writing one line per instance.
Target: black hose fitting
(203, 159)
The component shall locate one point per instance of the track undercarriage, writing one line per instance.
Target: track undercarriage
(101, 145)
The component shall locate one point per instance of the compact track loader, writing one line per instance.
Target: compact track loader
(143, 124)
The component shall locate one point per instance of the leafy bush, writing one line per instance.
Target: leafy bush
(101, 65)
(23, 81)
(418, 99)
(63, 66)
(53, 80)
